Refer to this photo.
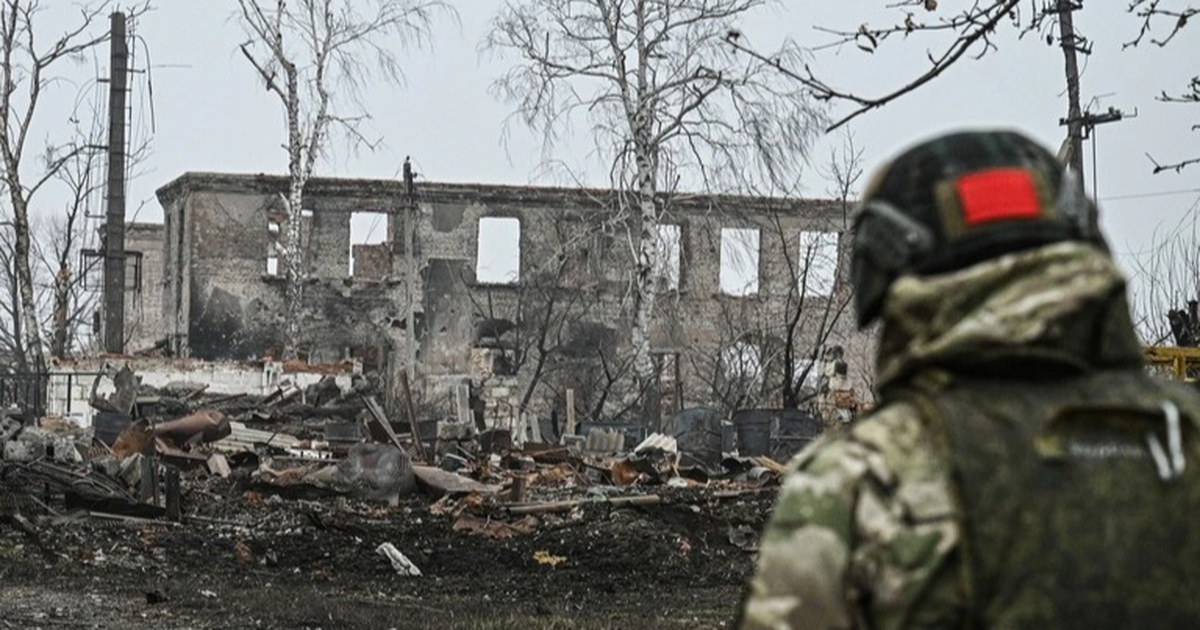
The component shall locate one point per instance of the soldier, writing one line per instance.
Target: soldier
(1021, 470)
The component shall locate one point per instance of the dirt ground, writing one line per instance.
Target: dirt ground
(260, 560)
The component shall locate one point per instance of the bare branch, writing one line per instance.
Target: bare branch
(1150, 12)
(1177, 167)
(665, 100)
(316, 56)
(29, 71)
(973, 26)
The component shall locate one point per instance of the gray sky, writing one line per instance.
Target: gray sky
(212, 113)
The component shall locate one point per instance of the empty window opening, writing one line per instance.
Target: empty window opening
(367, 228)
(498, 257)
(739, 261)
(666, 256)
(817, 272)
(275, 241)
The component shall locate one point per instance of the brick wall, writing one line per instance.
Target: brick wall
(574, 257)
(372, 262)
(143, 285)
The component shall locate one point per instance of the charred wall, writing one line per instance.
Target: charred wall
(560, 319)
(144, 284)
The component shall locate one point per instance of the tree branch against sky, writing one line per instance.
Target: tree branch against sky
(1169, 18)
(666, 101)
(1167, 275)
(952, 32)
(65, 302)
(317, 57)
(813, 308)
(31, 64)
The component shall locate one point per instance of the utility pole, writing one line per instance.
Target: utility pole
(1086, 122)
(410, 219)
(1071, 46)
(114, 224)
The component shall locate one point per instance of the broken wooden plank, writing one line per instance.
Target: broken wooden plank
(225, 399)
(243, 438)
(382, 420)
(418, 446)
(570, 413)
(212, 521)
(109, 516)
(769, 464)
(446, 482)
(734, 494)
(566, 506)
(194, 394)
(174, 494)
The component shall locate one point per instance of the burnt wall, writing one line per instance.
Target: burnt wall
(144, 285)
(563, 321)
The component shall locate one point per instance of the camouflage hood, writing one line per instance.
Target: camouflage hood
(1054, 309)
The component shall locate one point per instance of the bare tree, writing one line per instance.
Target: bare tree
(30, 69)
(527, 323)
(738, 374)
(666, 101)
(539, 324)
(316, 57)
(60, 246)
(591, 364)
(12, 336)
(967, 31)
(817, 300)
(770, 355)
(1168, 278)
(1176, 16)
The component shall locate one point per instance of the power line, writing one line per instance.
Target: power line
(1164, 193)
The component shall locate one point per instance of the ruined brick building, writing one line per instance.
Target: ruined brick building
(525, 287)
(143, 284)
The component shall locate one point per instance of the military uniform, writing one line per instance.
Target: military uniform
(1021, 470)
(869, 530)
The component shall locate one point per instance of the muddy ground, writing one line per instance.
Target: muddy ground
(261, 560)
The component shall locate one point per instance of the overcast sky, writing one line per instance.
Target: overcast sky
(212, 113)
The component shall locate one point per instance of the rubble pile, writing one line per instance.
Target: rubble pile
(322, 485)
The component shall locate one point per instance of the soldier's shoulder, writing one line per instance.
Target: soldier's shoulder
(864, 520)
(891, 434)
(890, 456)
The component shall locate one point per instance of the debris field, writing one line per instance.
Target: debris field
(313, 509)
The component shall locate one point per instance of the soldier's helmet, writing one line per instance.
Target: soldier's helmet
(957, 200)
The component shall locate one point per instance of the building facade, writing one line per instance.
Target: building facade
(524, 292)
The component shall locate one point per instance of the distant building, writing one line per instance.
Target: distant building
(522, 283)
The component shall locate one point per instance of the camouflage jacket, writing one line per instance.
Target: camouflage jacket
(865, 532)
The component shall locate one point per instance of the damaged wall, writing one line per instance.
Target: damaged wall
(557, 309)
(143, 285)
(70, 384)
(225, 271)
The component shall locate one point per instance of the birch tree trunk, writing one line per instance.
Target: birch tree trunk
(668, 101)
(33, 339)
(335, 45)
(645, 287)
(295, 212)
(62, 306)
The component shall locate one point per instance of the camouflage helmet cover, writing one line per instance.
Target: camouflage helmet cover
(960, 199)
